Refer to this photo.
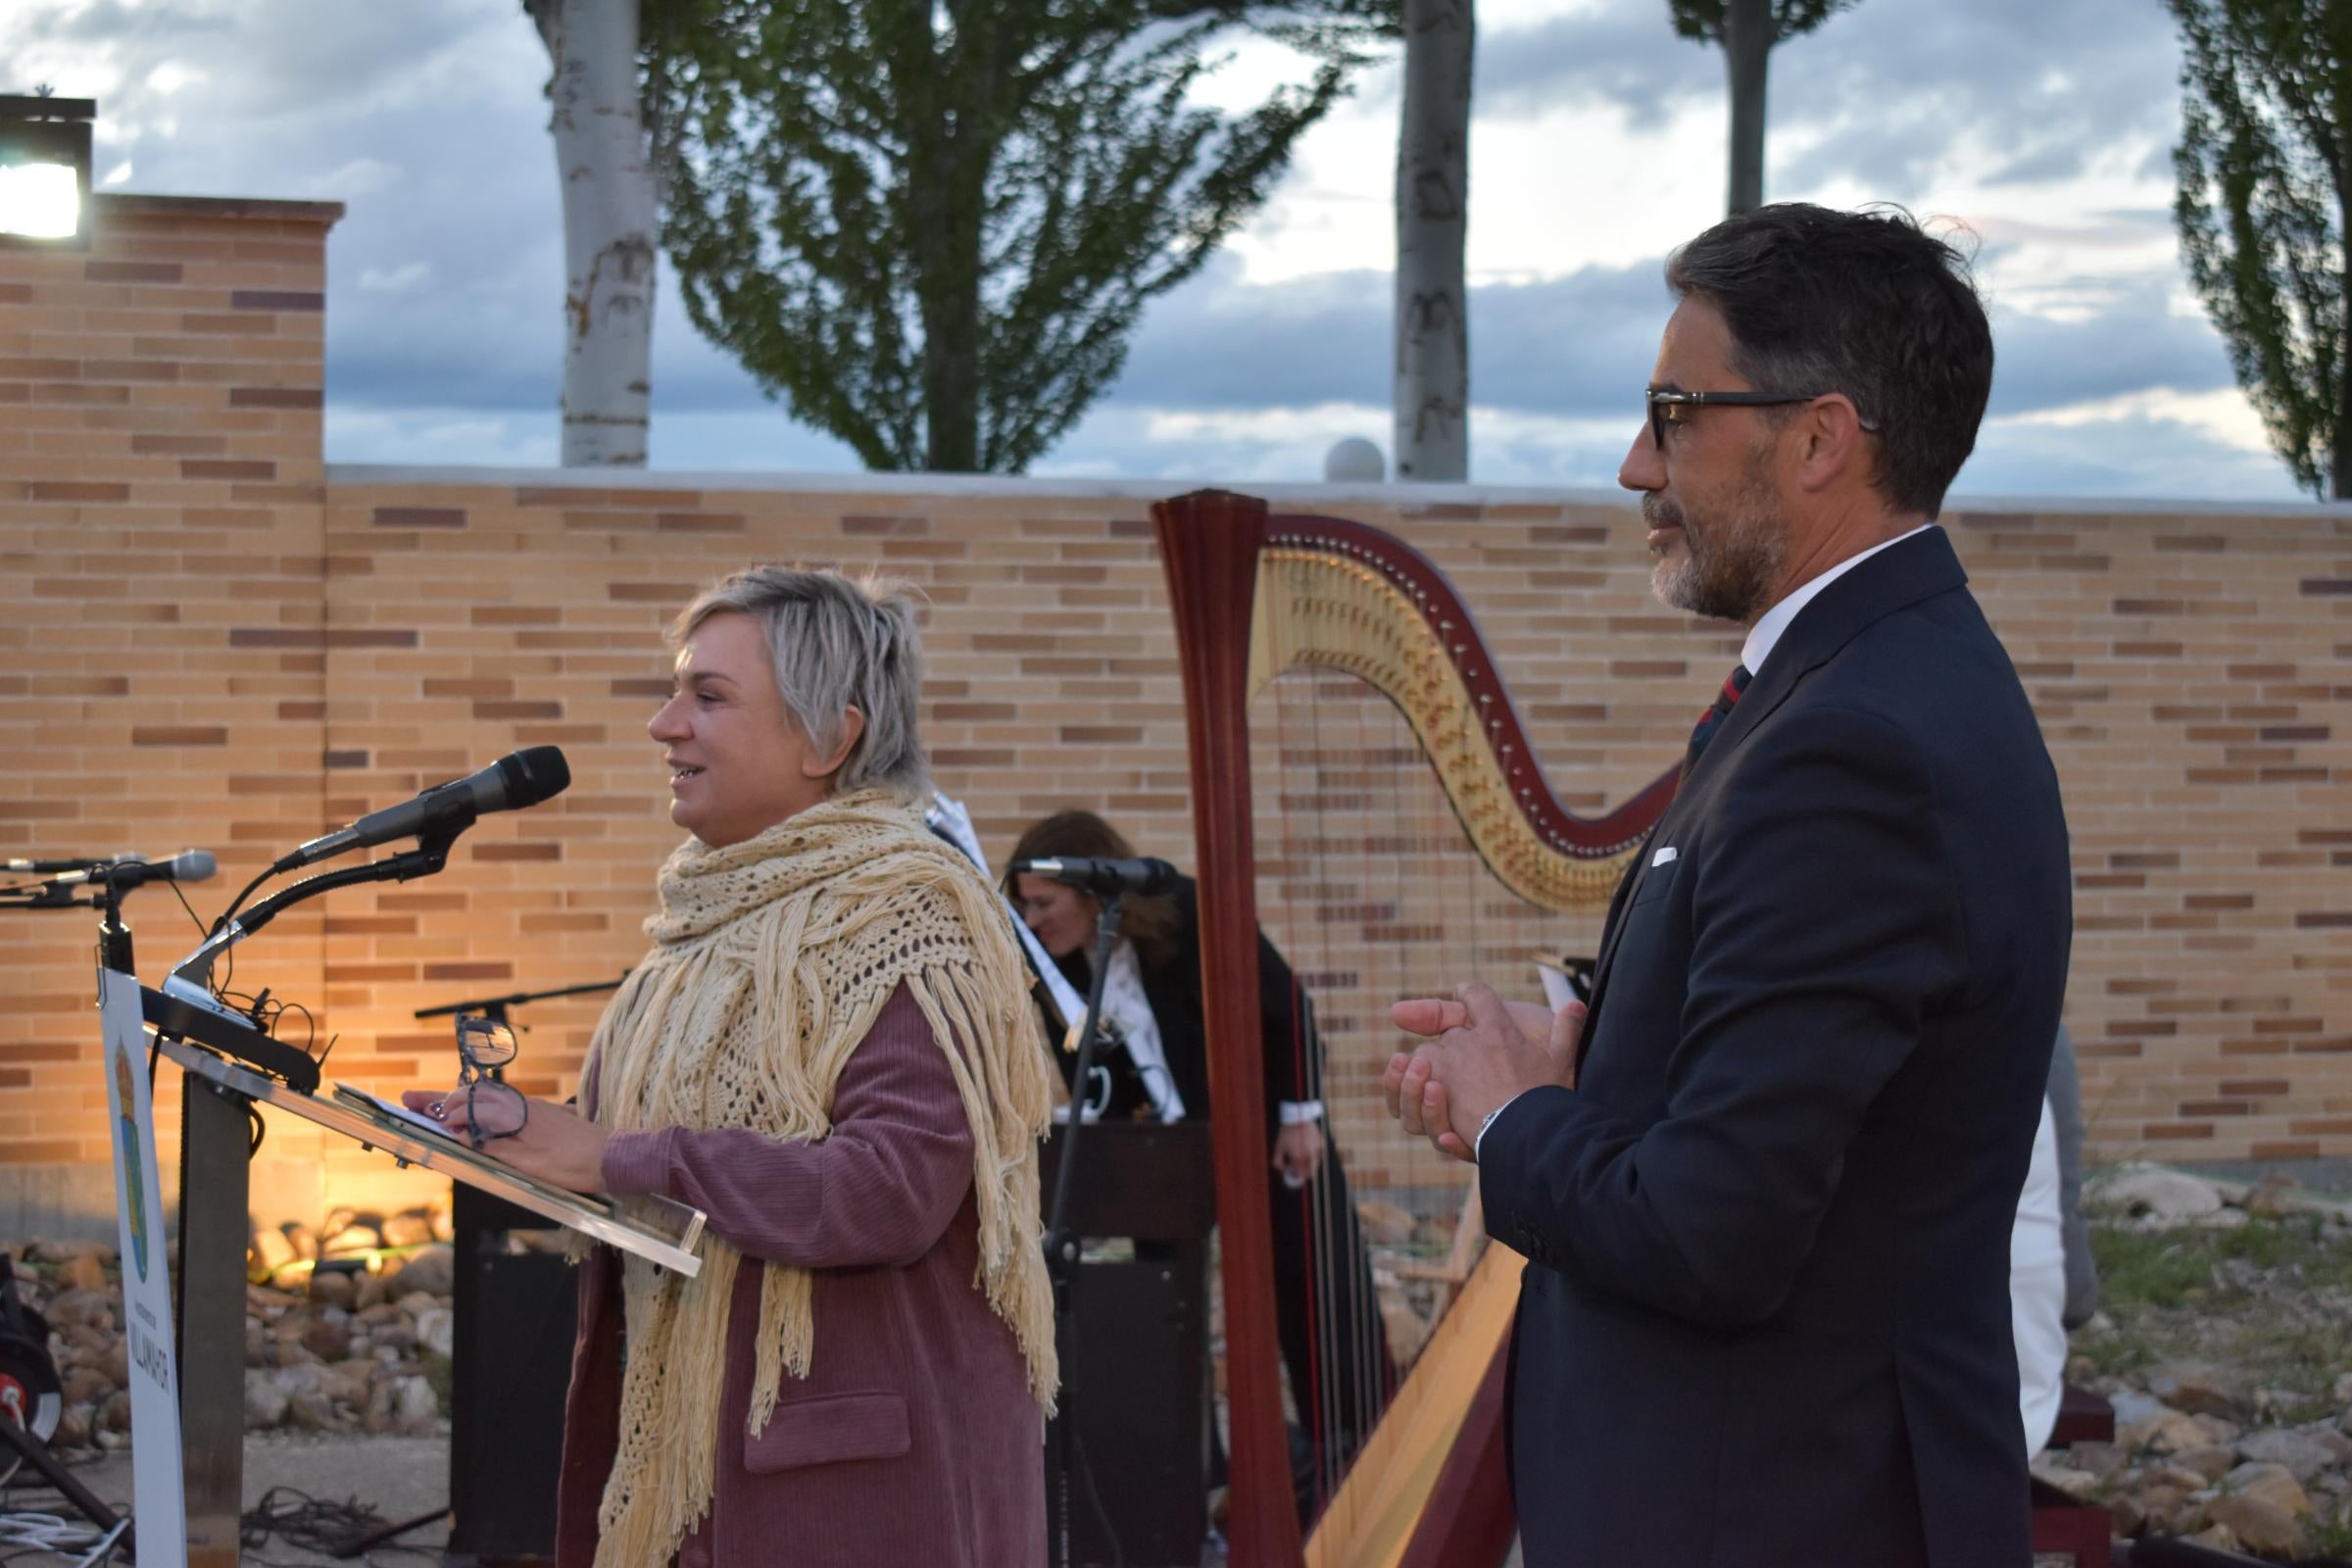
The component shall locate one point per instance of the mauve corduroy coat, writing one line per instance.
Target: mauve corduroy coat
(914, 1442)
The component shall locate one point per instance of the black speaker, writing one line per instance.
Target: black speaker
(515, 1315)
(1135, 1384)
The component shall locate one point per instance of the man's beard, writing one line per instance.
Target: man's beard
(1730, 561)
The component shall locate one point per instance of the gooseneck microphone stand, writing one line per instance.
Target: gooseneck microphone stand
(1062, 1248)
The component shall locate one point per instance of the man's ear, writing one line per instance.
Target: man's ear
(853, 730)
(1833, 443)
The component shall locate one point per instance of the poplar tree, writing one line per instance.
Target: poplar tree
(930, 228)
(2263, 204)
(1748, 31)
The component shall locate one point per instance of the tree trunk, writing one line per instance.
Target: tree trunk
(1748, 34)
(1433, 186)
(951, 308)
(605, 171)
(2339, 437)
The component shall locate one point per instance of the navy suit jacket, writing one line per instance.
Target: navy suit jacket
(1766, 1317)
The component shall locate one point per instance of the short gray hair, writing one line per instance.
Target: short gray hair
(837, 642)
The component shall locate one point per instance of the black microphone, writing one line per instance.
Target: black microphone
(1146, 875)
(71, 863)
(516, 780)
(130, 870)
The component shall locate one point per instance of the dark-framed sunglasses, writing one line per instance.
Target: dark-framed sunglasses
(1669, 407)
(485, 1047)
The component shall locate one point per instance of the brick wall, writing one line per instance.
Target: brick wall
(211, 640)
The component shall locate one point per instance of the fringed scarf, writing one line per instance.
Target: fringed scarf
(771, 960)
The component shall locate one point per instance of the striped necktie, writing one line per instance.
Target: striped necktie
(1713, 719)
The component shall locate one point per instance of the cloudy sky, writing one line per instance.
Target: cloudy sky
(1599, 143)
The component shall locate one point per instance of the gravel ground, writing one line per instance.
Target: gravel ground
(399, 1477)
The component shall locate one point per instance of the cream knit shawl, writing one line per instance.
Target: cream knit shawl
(772, 958)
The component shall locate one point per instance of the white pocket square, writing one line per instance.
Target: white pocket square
(1663, 856)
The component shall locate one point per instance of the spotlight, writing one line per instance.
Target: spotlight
(45, 170)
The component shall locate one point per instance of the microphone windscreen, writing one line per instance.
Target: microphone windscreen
(534, 774)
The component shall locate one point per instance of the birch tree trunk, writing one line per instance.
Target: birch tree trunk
(1748, 34)
(605, 169)
(1433, 187)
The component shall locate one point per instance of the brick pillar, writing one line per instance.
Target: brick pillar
(163, 633)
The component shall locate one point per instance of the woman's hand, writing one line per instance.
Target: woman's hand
(1298, 1151)
(552, 1142)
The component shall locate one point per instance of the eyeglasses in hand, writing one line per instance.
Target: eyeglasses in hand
(485, 1047)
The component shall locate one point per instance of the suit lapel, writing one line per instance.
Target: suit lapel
(1894, 579)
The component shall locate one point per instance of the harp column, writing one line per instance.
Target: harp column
(1208, 543)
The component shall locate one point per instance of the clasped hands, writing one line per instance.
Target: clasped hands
(1479, 1053)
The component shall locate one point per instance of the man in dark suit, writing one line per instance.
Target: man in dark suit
(1766, 1184)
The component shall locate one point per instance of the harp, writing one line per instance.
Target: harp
(1255, 595)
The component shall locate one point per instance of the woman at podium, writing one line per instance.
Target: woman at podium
(827, 1051)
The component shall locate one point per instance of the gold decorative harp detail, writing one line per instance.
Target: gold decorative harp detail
(1255, 595)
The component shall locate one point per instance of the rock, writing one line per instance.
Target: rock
(69, 1252)
(2217, 1429)
(75, 1424)
(2220, 1219)
(2303, 1455)
(2338, 1447)
(80, 1309)
(1408, 1330)
(332, 1287)
(413, 1229)
(2101, 1459)
(2271, 1483)
(2217, 1534)
(312, 1412)
(266, 1303)
(82, 1273)
(2127, 1516)
(86, 1385)
(257, 1342)
(2151, 1191)
(2257, 1526)
(268, 1252)
(2075, 1484)
(306, 1378)
(2165, 1510)
(348, 1382)
(378, 1416)
(116, 1364)
(327, 1337)
(416, 1301)
(302, 1238)
(265, 1401)
(2196, 1387)
(443, 1215)
(108, 1442)
(2167, 1434)
(437, 1330)
(352, 1242)
(2210, 1463)
(369, 1291)
(432, 1270)
(113, 1413)
(1389, 1224)
(416, 1408)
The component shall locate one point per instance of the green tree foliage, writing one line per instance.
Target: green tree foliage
(931, 227)
(2263, 209)
(1748, 31)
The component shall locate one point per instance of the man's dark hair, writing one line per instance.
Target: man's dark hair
(1867, 304)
